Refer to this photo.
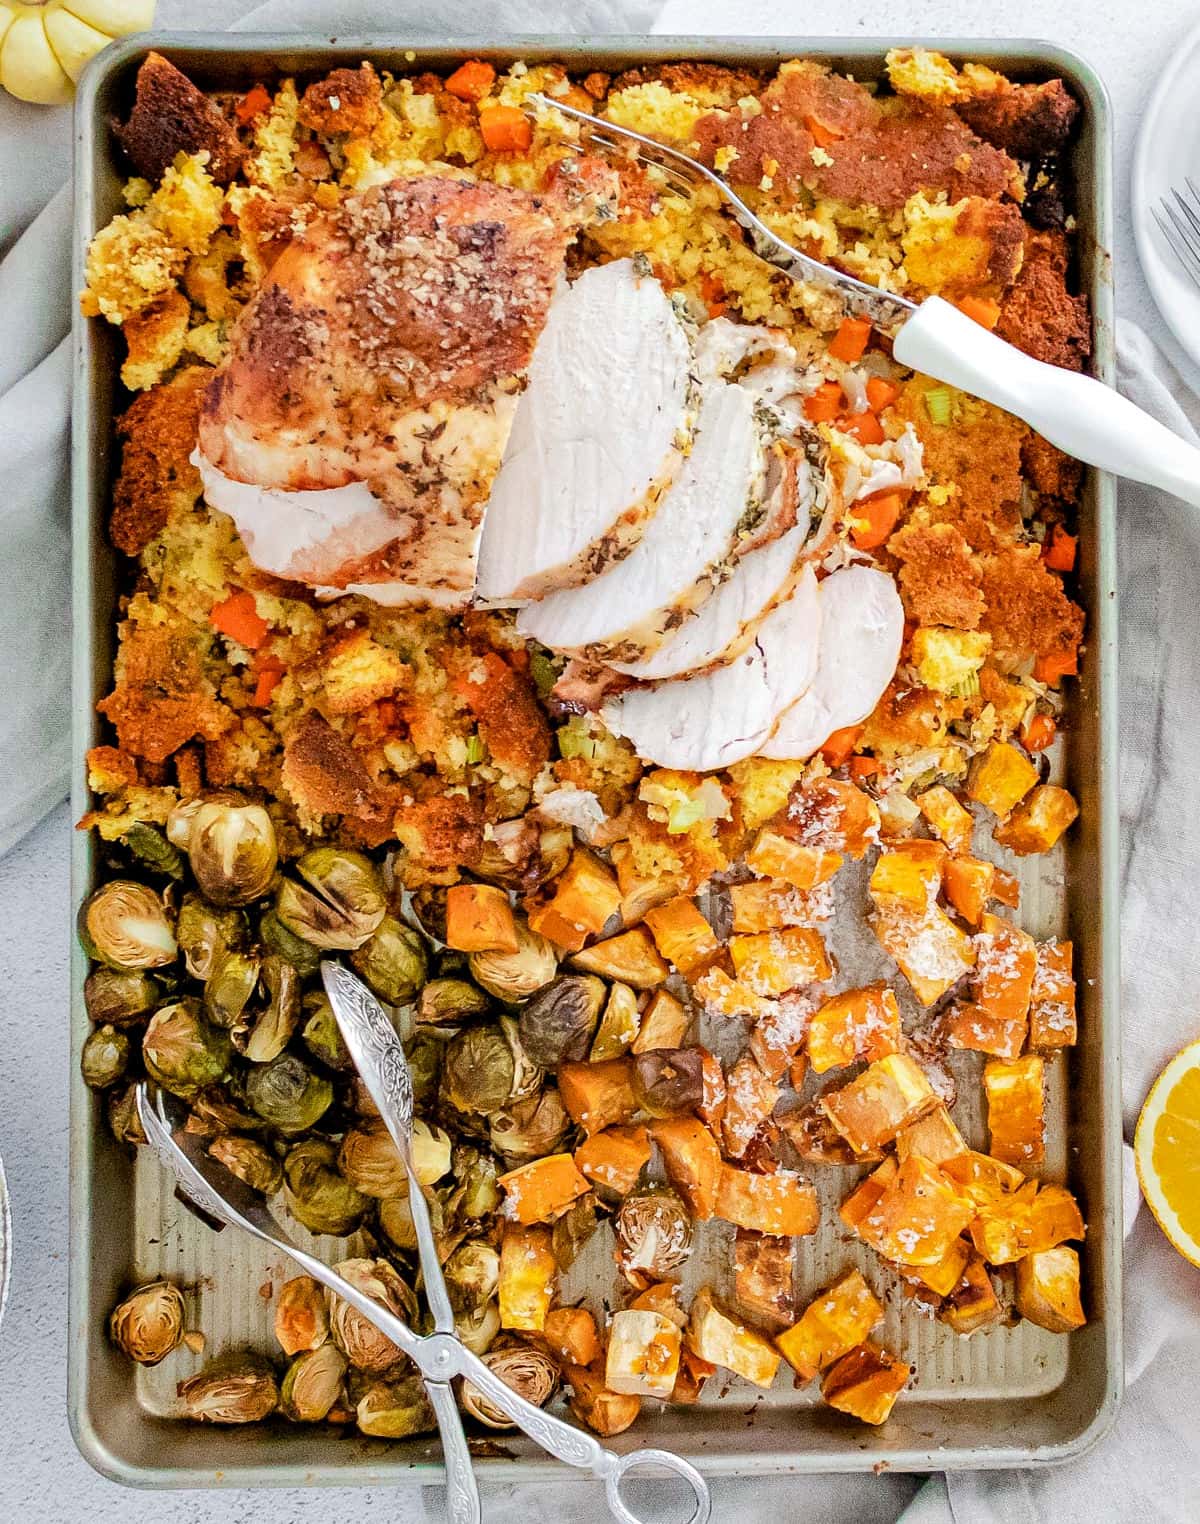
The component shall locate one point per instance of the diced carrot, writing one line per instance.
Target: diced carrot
(838, 749)
(824, 405)
(238, 618)
(873, 518)
(1048, 669)
(253, 103)
(471, 82)
(851, 339)
(866, 428)
(1059, 550)
(1038, 732)
(862, 768)
(821, 135)
(505, 129)
(268, 673)
(881, 393)
(980, 309)
(713, 293)
(388, 713)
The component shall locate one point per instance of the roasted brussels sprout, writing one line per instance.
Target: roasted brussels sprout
(478, 1328)
(224, 1107)
(513, 977)
(148, 846)
(317, 1196)
(320, 1032)
(148, 1324)
(477, 1177)
(450, 1003)
(230, 845)
(238, 1388)
(572, 1230)
(253, 1164)
(654, 1234)
(205, 933)
(276, 938)
(120, 996)
(425, 910)
(558, 1023)
(392, 961)
(182, 1051)
(301, 1316)
(125, 925)
(531, 1129)
(273, 1027)
(472, 1274)
(313, 1383)
(105, 1057)
(530, 1372)
(424, 1054)
(371, 1161)
(123, 1116)
(486, 1068)
(287, 1094)
(669, 1081)
(360, 1341)
(395, 1409)
(230, 986)
(396, 1223)
(340, 903)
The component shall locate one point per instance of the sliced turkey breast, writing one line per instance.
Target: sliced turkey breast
(712, 720)
(861, 631)
(598, 437)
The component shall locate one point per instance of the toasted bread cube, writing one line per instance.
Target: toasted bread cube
(598, 1095)
(643, 1354)
(865, 1383)
(1005, 964)
(1048, 1289)
(866, 1195)
(886, 1096)
(911, 873)
(604, 1411)
(775, 856)
(780, 1203)
(1052, 999)
(970, 1028)
(972, 1302)
(571, 1334)
(618, 1025)
(663, 1024)
(984, 1179)
(724, 1341)
(612, 1160)
(1013, 1087)
(773, 962)
(950, 821)
(929, 949)
(855, 1025)
(1038, 821)
(830, 1326)
(933, 1136)
(765, 904)
(1003, 1228)
(722, 996)
(693, 1162)
(942, 1278)
(919, 1215)
(1000, 778)
(968, 883)
(682, 935)
(586, 893)
(763, 1277)
(547, 922)
(542, 1190)
(528, 1274)
(479, 918)
(1055, 1218)
(630, 957)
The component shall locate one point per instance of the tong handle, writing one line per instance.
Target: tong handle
(462, 1488)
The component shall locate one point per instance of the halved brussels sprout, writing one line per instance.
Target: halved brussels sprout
(667, 1082)
(395, 1409)
(253, 1164)
(654, 1234)
(205, 933)
(472, 1274)
(105, 1057)
(530, 1372)
(477, 1176)
(125, 925)
(360, 1341)
(317, 1196)
(276, 938)
(230, 845)
(485, 1069)
(371, 1161)
(301, 1316)
(320, 1032)
(148, 1324)
(392, 961)
(313, 1384)
(120, 996)
(147, 845)
(513, 977)
(478, 1328)
(287, 1094)
(273, 1027)
(123, 1116)
(182, 1051)
(557, 1025)
(340, 903)
(531, 1129)
(238, 1388)
(451, 1003)
(230, 986)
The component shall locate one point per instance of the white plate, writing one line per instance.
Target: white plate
(1167, 152)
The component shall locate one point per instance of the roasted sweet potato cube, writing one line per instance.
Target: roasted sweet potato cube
(929, 949)
(1052, 999)
(1038, 821)
(630, 957)
(866, 1195)
(1006, 888)
(919, 1215)
(547, 922)
(865, 1383)
(598, 1095)
(967, 882)
(765, 904)
(1055, 1218)
(638, 892)
(773, 962)
(605, 1412)
(1005, 963)
(911, 873)
(663, 1023)
(1000, 778)
(586, 893)
(750, 1097)
(479, 918)
(830, 1326)
(855, 1025)
(1003, 1227)
(725, 1341)
(781, 1203)
(528, 1272)
(833, 813)
(775, 856)
(777, 1037)
(983, 1178)
(969, 1027)
(950, 821)
(682, 935)
(933, 1136)
(643, 1354)
(1048, 1289)
(618, 1025)
(693, 1162)
(712, 1104)
(886, 1096)
(1014, 1090)
(972, 1302)
(612, 1160)
(816, 1139)
(763, 1277)
(722, 996)
(693, 1373)
(662, 1297)
(942, 1278)
(543, 1189)
(570, 1333)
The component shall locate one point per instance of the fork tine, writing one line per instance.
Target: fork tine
(1186, 233)
(1176, 241)
(1187, 211)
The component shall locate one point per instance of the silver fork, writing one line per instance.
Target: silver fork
(1179, 220)
(1078, 414)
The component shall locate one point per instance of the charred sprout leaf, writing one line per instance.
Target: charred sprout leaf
(120, 996)
(487, 1068)
(288, 1095)
(451, 1003)
(360, 1341)
(274, 1026)
(253, 1164)
(530, 1372)
(313, 1383)
(148, 1324)
(148, 846)
(123, 1116)
(371, 1161)
(572, 1230)
(477, 1176)
(205, 933)
(669, 1081)
(239, 1388)
(392, 962)
(105, 1057)
(472, 1274)
(618, 1026)
(230, 986)
(320, 1032)
(182, 1051)
(317, 1196)
(276, 938)
(558, 1023)
(427, 908)
(478, 1328)
(125, 925)
(513, 977)
(531, 1129)
(654, 1234)
(224, 1106)
(301, 1317)
(340, 903)
(395, 1409)
(230, 845)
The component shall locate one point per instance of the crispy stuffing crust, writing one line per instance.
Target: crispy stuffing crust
(1027, 609)
(171, 116)
(711, 84)
(348, 100)
(1050, 471)
(940, 579)
(1039, 314)
(1026, 121)
(157, 478)
(325, 776)
(162, 698)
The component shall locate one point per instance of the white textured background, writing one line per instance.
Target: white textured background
(42, 1479)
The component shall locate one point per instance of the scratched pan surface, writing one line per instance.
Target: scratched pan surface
(1006, 1396)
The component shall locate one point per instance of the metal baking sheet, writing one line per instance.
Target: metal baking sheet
(1003, 1397)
